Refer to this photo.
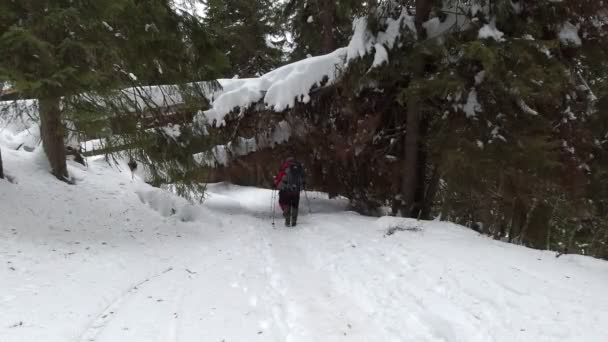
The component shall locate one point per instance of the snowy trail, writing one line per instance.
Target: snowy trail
(115, 260)
(316, 310)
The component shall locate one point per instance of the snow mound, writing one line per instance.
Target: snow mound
(169, 205)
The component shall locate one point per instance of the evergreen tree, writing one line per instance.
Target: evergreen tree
(247, 32)
(320, 26)
(491, 114)
(52, 49)
(510, 124)
(56, 51)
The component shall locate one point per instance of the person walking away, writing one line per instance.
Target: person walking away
(290, 181)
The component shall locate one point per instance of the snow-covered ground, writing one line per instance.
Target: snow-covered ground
(112, 259)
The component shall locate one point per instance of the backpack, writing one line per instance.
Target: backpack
(294, 177)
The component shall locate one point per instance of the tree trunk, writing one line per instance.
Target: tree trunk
(1, 169)
(372, 5)
(52, 133)
(431, 192)
(423, 10)
(412, 176)
(518, 220)
(410, 169)
(328, 10)
(421, 186)
(538, 226)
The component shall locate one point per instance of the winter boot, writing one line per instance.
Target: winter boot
(294, 216)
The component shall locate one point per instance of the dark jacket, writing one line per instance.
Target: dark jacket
(284, 181)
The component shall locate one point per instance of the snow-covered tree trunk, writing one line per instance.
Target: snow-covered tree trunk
(52, 133)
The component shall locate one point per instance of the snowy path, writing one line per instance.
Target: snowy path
(107, 261)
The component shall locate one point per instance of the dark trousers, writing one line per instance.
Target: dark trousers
(290, 202)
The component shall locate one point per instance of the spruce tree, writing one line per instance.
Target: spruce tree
(247, 32)
(502, 132)
(56, 51)
(320, 26)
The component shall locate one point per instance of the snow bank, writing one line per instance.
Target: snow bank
(170, 205)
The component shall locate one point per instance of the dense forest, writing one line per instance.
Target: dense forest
(492, 114)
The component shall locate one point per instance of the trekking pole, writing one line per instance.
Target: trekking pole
(273, 205)
(307, 201)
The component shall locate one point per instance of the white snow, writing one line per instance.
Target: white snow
(134, 98)
(480, 77)
(93, 145)
(222, 155)
(455, 21)
(528, 37)
(600, 20)
(107, 26)
(527, 109)
(282, 88)
(279, 89)
(361, 42)
(172, 131)
(218, 155)
(568, 35)
(113, 259)
(151, 27)
(18, 125)
(381, 56)
(280, 134)
(364, 42)
(472, 106)
(489, 31)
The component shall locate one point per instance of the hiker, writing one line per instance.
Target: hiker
(290, 181)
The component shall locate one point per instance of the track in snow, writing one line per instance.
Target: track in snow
(101, 321)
